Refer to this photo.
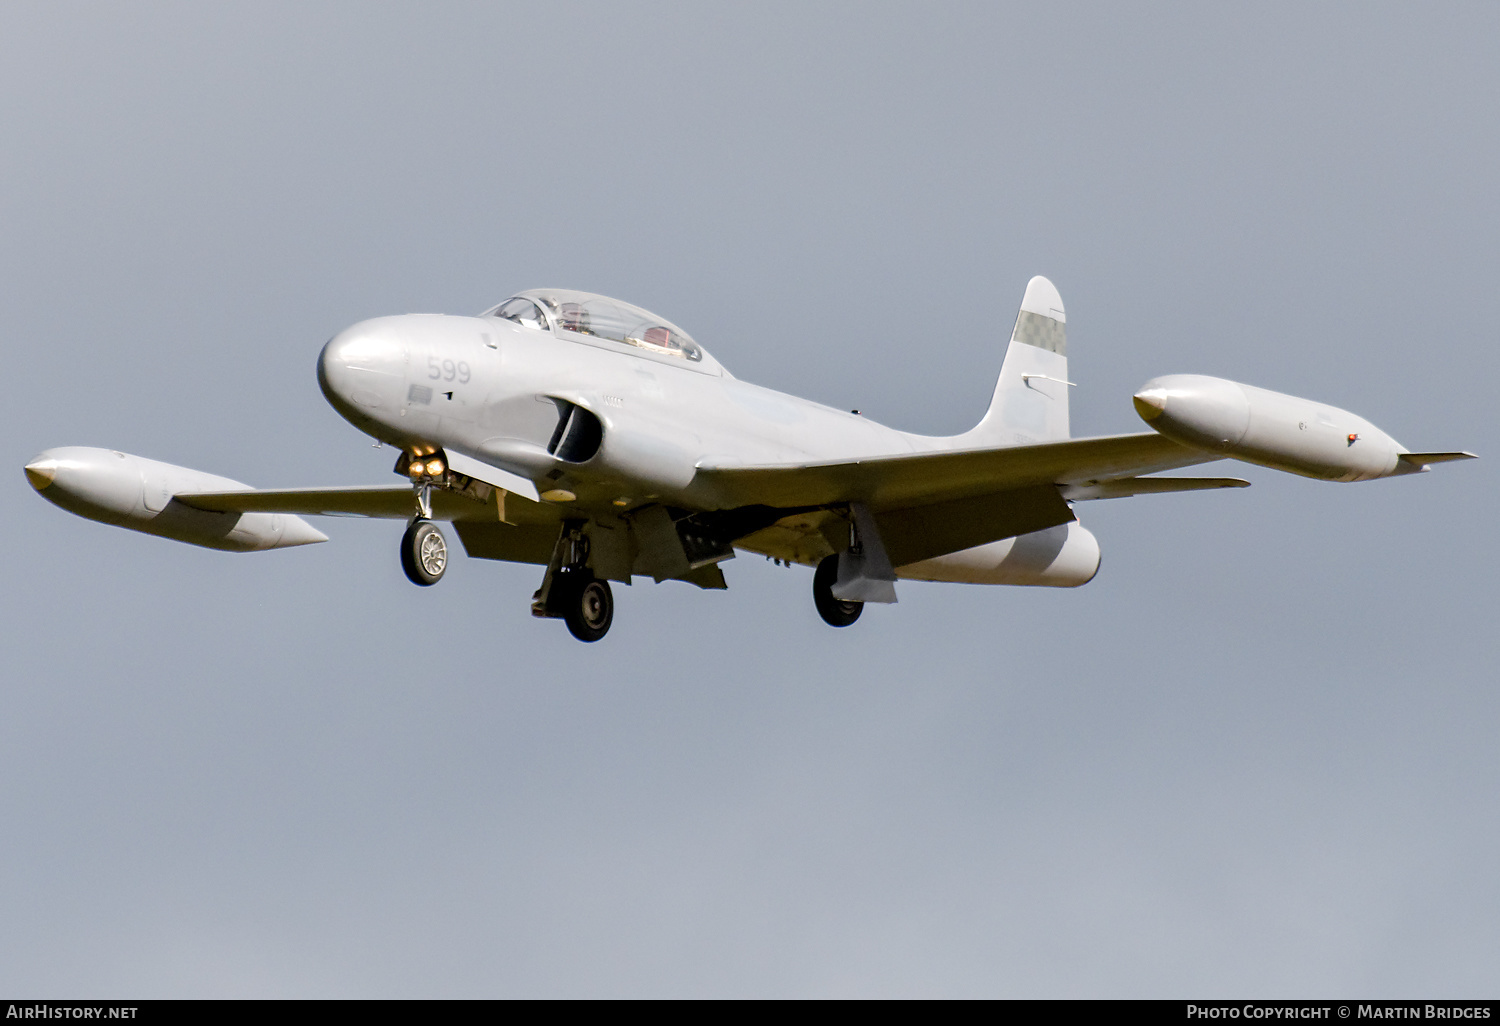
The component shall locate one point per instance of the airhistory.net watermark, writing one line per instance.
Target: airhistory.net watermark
(46, 1010)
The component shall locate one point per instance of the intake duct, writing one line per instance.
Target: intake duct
(578, 433)
(650, 453)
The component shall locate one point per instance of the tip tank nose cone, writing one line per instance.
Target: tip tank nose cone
(41, 473)
(1151, 403)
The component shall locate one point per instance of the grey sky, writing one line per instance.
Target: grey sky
(1256, 756)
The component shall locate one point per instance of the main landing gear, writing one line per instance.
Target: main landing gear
(570, 591)
(587, 604)
(835, 612)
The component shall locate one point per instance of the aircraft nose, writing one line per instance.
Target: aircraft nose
(362, 366)
(363, 349)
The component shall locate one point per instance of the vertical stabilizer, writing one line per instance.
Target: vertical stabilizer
(1030, 403)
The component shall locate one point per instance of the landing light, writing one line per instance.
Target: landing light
(434, 467)
(414, 469)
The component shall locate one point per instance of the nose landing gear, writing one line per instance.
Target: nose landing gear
(424, 550)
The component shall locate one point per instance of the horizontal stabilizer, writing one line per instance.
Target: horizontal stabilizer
(1128, 486)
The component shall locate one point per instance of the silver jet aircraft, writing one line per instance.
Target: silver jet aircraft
(600, 441)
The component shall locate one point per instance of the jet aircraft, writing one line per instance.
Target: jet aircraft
(601, 442)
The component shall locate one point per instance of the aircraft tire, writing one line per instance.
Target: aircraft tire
(590, 610)
(835, 612)
(424, 553)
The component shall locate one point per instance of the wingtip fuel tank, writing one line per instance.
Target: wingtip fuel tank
(130, 491)
(1272, 429)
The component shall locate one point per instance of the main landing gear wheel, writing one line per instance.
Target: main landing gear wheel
(835, 612)
(590, 610)
(424, 553)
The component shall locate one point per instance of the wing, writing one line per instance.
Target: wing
(930, 504)
(920, 479)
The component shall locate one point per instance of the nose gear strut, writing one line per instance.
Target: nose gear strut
(424, 550)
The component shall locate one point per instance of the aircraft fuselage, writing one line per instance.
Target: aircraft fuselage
(490, 389)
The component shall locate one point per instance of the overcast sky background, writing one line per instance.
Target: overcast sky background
(1256, 756)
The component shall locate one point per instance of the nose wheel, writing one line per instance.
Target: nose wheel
(424, 553)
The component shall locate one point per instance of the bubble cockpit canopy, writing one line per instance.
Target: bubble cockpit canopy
(586, 317)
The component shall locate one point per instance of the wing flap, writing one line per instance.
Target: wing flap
(521, 543)
(896, 482)
(936, 529)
